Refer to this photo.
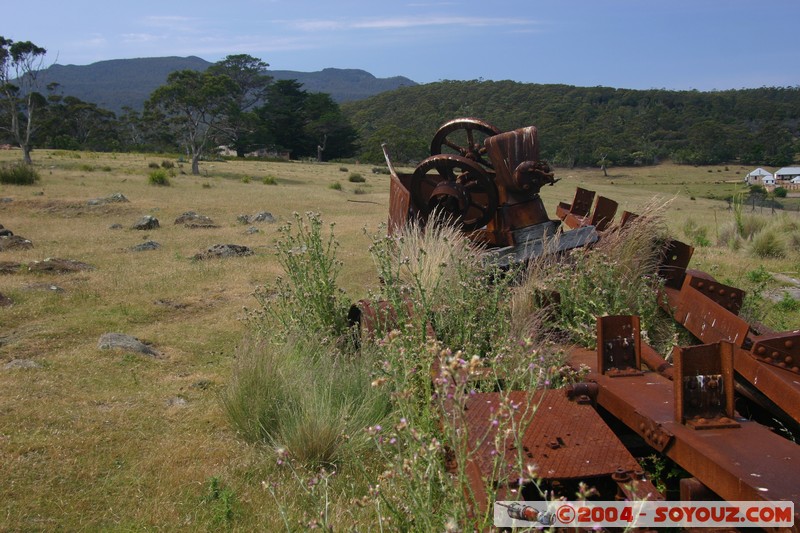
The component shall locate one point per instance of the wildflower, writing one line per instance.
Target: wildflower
(475, 363)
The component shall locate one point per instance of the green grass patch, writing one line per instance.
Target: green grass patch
(18, 174)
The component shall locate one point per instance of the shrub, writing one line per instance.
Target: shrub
(697, 234)
(308, 260)
(768, 244)
(359, 190)
(159, 177)
(780, 192)
(152, 164)
(167, 164)
(18, 174)
(342, 169)
(355, 177)
(787, 304)
(615, 277)
(269, 180)
(336, 186)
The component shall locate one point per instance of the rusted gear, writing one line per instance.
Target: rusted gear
(459, 187)
(466, 137)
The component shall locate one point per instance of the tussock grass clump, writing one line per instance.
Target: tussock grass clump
(336, 186)
(768, 243)
(751, 225)
(355, 177)
(18, 174)
(302, 397)
(269, 180)
(159, 177)
(436, 274)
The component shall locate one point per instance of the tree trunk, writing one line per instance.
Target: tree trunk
(26, 155)
(196, 164)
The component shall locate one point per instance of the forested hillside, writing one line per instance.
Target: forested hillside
(582, 125)
(120, 83)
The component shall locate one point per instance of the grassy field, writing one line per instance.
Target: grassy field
(95, 439)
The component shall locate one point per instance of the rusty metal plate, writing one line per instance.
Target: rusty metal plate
(565, 440)
(703, 384)
(730, 298)
(581, 204)
(779, 349)
(673, 266)
(619, 345)
(604, 211)
(706, 319)
(399, 204)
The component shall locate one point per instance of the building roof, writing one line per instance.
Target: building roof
(759, 172)
(791, 171)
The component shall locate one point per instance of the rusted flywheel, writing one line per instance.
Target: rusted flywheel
(456, 187)
(465, 136)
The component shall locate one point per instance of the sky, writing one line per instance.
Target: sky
(637, 44)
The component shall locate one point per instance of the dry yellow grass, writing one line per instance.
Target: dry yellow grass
(103, 440)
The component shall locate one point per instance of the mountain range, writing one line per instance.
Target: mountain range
(119, 83)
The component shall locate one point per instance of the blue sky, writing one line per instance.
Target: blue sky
(639, 44)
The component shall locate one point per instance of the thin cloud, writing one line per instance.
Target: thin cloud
(140, 38)
(407, 22)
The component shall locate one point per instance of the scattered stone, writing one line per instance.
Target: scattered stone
(14, 242)
(44, 287)
(146, 222)
(263, 216)
(9, 267)
(5, 232)
(58, 266)
(251, 230)
(117, 197)
(224, 250)
(171, 304)
(111, 341)
(21, 363)
(203, 384)
(177, 401)
(5, 301)
(115, 226)
(190, 219)
(145, 246)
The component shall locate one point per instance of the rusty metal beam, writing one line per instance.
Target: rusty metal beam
(748, 463)
(769, 363)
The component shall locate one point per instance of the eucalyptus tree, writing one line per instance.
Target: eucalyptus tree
(251, 81)
(194, 105)
(20, 65)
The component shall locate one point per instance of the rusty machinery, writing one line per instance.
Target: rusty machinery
(487, 182)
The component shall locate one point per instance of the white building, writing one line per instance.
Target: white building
(788, 173)
(759, 177)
